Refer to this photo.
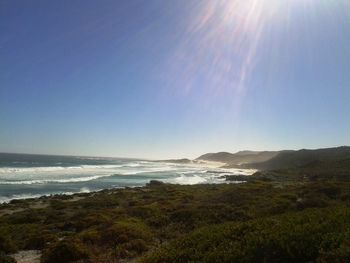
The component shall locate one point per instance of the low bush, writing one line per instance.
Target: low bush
(273, 221)
(64, 251)
(6, 259)
(295, 237)
(126, 231)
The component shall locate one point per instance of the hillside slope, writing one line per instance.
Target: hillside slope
(275, 160)
(239, 158)
(301, 158)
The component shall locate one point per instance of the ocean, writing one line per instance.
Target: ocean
(28, 176)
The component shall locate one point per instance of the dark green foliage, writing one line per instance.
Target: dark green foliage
(286, 221)
(64, 251)
(6, 244)
(6, 259)
(293, 237)
(125, 232)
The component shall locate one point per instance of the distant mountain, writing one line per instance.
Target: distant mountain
(223, 157)
(274, 160)
(302, 158)
(239, 158)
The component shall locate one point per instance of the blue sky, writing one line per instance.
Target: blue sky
(164, 79)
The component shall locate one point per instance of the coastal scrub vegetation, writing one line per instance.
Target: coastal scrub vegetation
(290, 215)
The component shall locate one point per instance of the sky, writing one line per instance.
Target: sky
(169, 79)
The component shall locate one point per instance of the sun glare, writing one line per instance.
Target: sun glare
(224, 37)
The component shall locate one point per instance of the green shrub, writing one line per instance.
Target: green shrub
(38, 240)
(251, 222)
(6, 244)
(64, 251)
(91, 236)
(126, 231)
(131, 248)
(6, 259)
(335, 248)
(292, 237)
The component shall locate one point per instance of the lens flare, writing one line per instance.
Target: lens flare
(221, 42)
(223, 39)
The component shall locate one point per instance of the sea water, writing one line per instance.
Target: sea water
(28, 176)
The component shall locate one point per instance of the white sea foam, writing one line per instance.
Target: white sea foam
(72, 174)
(128, 173)
(5, 199)
(132, 165)
(190, 180)
(46, 181)
(84, 173)
(7, 170)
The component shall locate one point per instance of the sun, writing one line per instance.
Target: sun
(227, 33)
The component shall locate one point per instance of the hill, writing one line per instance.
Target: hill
(239, 158)
(286, 159)
(303, 158)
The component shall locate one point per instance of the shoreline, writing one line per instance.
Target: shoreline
(79, 195)
(206, 166)
(144, 222)
(21, 204)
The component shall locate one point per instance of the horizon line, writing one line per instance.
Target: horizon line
(140, 158)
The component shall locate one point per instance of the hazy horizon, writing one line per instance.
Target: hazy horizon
(172, 79)
(173, 157)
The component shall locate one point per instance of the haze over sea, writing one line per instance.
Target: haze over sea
(27, 176)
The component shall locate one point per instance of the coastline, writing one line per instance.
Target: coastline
(145, 224)
(137, 174)
(20, 204)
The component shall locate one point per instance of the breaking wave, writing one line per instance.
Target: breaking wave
(39, 176)
(46, 181)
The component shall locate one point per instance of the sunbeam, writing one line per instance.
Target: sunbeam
(223, 41)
